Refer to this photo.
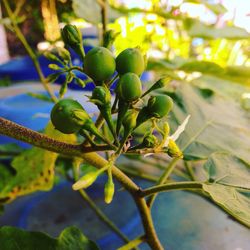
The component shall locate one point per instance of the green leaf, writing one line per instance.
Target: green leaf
(9, 149)
(34, 170)
(201, 66)
(229, 170)
(228, 184)
(234, 201)
(222, 87)
(217, 123)
(71, 238)
(199, 29)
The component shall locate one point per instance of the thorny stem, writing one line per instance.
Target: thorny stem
(29, 50)
(97, 210)
(27, 135)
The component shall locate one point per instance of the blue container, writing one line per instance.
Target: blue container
(24, 110)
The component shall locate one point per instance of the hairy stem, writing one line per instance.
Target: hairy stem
(43, 141)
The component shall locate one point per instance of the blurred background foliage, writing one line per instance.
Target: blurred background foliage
(188, 36)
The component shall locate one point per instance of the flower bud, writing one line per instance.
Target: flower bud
(54, 66)
(109, 191)
(86, 180)
(173, 149)
(71, 35)
(163, 82)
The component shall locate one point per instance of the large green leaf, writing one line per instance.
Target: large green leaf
(234, 201)
(34, 170)
(222, 87)
(71, 238)
(217, 123)
(228, 185)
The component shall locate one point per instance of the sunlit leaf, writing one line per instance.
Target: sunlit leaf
(199, 29)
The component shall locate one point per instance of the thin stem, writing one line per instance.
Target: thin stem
(97, 210)
(185, 185)
(190, 170)
(104, 17)
(148, 225)
(29, 50)
(133, 243)
(163, 179)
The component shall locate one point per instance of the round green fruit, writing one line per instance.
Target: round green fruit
(63, 118)
(159, 106)
(129, 87)
(130, 60)
(99, 64)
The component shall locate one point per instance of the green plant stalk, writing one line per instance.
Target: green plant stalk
(104, 16)
(27, 135)
(184, 185)
(108, 118)
(190, 170)
(29, 50)
(137, 241)
(163, 179)
(98, 211)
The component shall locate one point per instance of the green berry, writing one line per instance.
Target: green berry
(130, 60)
(129, 87)
(159, 106)
(63, 116)
(99, 64)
